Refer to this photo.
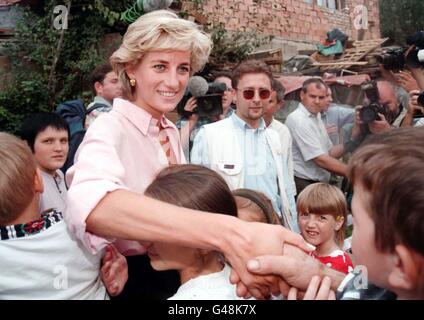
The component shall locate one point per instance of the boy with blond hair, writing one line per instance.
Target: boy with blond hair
(40, 258)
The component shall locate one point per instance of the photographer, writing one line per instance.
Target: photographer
(403, 68)
(189, 126)
(414, 109)
(387, 114)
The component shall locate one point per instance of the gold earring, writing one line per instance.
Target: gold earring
(132, 82)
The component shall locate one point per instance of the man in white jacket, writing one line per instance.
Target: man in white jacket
(276, 102)
(242, 150)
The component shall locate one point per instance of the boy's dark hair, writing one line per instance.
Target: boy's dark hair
(317, 81)
(39, 122)
(99, 74)
(249, 66)
(390, 169)
(221, 74)
(17, 172)
(194, 187)
(279, 88)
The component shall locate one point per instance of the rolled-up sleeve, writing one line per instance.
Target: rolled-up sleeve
(97, 171)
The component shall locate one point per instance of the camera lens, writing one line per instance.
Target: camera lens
(393, 60)
(368, 114)
(420, 99)
(207, 105)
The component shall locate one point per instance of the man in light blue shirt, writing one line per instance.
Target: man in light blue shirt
(242, 150)
(335, 117)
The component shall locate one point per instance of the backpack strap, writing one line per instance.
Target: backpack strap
(97, 105)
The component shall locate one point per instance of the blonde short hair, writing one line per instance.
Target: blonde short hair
(323, 198)
(17, 172)
(159, 30)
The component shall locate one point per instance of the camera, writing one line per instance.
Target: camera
(420, 101)
(393, 60)
(413, 56)
(208, 98)
(369, 112)
(396, 59)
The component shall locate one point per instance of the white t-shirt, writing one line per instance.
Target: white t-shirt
(213, 286)
(50, 264)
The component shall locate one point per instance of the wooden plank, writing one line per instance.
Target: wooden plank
(344, 63)
(360, 50)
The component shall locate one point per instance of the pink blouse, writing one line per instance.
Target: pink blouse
(121, 150)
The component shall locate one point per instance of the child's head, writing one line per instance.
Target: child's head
(17, 173)
(193, 187)
(47, 135)
(388, 205)
(254, 206)
(322, 211)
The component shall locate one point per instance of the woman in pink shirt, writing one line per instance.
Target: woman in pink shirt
(123, 151)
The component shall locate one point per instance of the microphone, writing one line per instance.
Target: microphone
(197, 86)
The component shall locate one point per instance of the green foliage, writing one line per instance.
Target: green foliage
(21, 99)
(40, 84)
(35, 47)
(398, 19)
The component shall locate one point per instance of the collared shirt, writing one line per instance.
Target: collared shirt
(356, 287)
(310, 140)
(337, 116)
(183, 121)
(54, 194)
(256, 156)
(121, 150)
(97, 112)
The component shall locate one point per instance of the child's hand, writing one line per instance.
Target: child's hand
(114, 271)
(317, 290)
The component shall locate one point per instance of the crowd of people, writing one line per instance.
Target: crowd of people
(139, 215)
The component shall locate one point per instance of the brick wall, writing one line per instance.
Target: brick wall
(292, 22)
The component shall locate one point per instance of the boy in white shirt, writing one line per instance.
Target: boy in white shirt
(47, 134)
(40, 258)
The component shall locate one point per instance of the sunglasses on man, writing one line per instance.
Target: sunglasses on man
(249, 94)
